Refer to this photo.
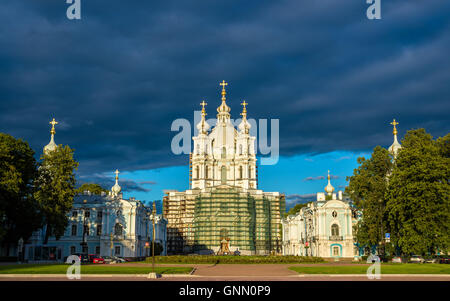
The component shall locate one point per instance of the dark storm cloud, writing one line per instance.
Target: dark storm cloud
(118, 78)
(294, 199)
(107, 182)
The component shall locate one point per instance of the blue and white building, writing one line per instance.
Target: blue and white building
(323, 228)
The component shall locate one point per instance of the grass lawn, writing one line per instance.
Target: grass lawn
(213, 259)
(88, 269)
(385, 269)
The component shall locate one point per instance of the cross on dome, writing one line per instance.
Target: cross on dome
(394, 123)
(53, 123)
(203, 104)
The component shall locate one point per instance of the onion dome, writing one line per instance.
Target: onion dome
(52, 145)
(115, 190)
(203, 126)
(244, 126)
(329, 188)
(396, 146)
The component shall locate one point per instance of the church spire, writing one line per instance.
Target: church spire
(223, 109)
(52, 145)
(115, 190)
(244, 126)
(329, 188)
(203, 126)
(394, 148)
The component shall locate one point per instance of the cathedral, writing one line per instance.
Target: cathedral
(223, 211)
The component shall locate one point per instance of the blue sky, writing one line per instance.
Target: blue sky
(116, 79)
(297, 176)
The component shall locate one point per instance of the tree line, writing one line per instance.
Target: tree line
(34, 194)
(406, 196)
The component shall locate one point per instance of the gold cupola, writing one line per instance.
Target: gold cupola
(223, 110)
(115, 190)
(244, 126)
(203, 126)
(396, 146)
(329, 189)
(52, 145)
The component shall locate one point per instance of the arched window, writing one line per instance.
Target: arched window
(240, 149)
(249, 172)
(224, 152)
(206, 172)
(240, 172)
(224, 175)
(118, 229)
(198, 149)
(334, 230)
(197, 172)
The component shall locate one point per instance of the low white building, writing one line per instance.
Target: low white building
(323, 228)
(113, 226)
(104, 225)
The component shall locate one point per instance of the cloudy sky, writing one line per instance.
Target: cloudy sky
(119, 77)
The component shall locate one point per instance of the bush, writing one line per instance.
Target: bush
(8, 259)
(229, 259)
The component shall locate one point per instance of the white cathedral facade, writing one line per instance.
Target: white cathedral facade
(225, 155)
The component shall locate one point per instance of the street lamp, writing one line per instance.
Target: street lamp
(153, 238)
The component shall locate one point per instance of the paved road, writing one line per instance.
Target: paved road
(234, 272)
(236, 278)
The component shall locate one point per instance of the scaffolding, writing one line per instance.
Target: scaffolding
(250, 221)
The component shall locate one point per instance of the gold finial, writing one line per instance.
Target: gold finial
(117, 174)
(394, 123)
(244, 110)
(328, 175)
(223, 84)
(154, 208)
(203, 104)
(53, 123)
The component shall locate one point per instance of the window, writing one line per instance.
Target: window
(249, 172)
(85, 250)
(87, 213)
(334, 214)
(99, 214)
(335, 251)
(334, 230)
(240, 149)
(240, 172)
(97, 250)
(224, 175)
(99, 230)
(73, 250)
(74, 230)
(197, 172)
(118, 229)
(206, 172)
(75, 213)
(117, 251)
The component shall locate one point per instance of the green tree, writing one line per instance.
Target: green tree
(367, 188)
(19, 212)
(295, 209)
(94, 188)
(418, 194)
(56, 189)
